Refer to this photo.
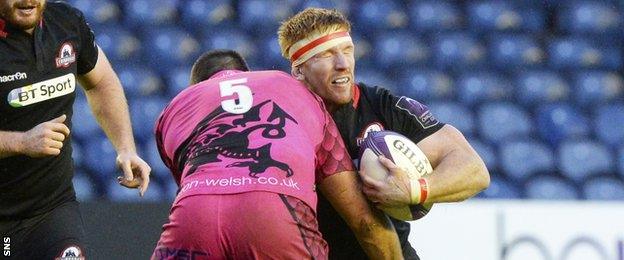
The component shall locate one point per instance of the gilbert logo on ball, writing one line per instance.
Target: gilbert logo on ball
(405, 154)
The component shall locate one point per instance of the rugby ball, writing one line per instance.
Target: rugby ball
(405, 154)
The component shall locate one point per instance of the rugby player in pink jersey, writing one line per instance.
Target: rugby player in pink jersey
(248, 151)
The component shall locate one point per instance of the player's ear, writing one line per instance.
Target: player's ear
(296, 73)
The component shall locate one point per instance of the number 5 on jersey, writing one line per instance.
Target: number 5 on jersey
(236, 105)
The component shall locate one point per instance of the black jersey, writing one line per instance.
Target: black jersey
(372, 109)
(37, 83)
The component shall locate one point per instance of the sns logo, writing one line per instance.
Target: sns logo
(42, 91)
(6, 249)
(66, 55)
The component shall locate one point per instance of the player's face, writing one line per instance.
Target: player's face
(330, 74)
(23, 14)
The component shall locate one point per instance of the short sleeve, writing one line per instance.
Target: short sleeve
(88, 54)
(331, 155)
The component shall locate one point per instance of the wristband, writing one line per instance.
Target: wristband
(419, 189)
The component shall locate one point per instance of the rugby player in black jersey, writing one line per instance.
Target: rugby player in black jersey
(45, 48)
(321, 52)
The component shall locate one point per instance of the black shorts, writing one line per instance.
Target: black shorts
(56, 234)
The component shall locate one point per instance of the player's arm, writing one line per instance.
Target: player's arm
(108, 103)
(371, 227)
(45, 139)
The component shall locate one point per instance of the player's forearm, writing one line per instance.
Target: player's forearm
(460, 175)
(9, 144)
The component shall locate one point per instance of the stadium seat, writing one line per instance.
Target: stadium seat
(396, 49)
(590, 17)
(166, 47)
(435, 16)
(84, 125)
(455, 114)
(148, 13)
(426, 84)
(170, 189)
(580, 53)
(364, 53)
(580, 159)
(486, 152)
(272, 55)
(138, 80)
(84, 188)
(98, 12)
(77, 154)
(177, 80)
(118, 43)
(541, 86)
(551, 188)
(501, 188)
(561, 121)
(232, 38)
(524, 158)
(604, 188)
(515, 51)
(262, 17)
(504, 16)
(620, 161)
(592, 88)
(372, 77)
(100, 159)
(152, 157)
(370, 16)
(499, 121)
(458, 51)
(144, 112)
(340, 5)
(476, 87)
(609, 124)
(118, 193)
(196, 14)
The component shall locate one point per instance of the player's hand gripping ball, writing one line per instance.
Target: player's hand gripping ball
(406, 155)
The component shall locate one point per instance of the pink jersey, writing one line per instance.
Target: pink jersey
(250, 131)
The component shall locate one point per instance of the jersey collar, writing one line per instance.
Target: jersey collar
(224, 73)
(356, 96)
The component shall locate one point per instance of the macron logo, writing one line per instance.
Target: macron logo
(16, 76)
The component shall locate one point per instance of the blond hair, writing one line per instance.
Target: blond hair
(309, 22)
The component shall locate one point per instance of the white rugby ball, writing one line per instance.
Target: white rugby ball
(405, 154)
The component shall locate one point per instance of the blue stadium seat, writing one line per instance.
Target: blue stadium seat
(500, 121)
(364, 54)
(435, 16)
(597, 87)
(400, 49)
(458, 51)
(232, 38)
(504, 16)
(483, 86)
(98, 12)
(426, 84)
(147, 13)
(100, 158)
(604, 188)
(373, 77)
(609, 124)
(152, 157)
(373, 15)
(195, 14)
(144, 112)
(166, 47)
(578, 53)
(138, 80)
(551, 188)
(514, 51)
(118, 193)
(455, 114)
(522, 159)
(590, 17)
(620, 162)
(501, 188)
(584, 158)
(170, 189)
(177, 80)
(561, 121)
(262, 17)
(486, 152)
(272, 55)
(541, 86)
(342, 6)
(118, 43)
(84, 188)
(77, 154)
(85, 126)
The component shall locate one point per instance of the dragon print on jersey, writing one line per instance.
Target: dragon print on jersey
(209, 141)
